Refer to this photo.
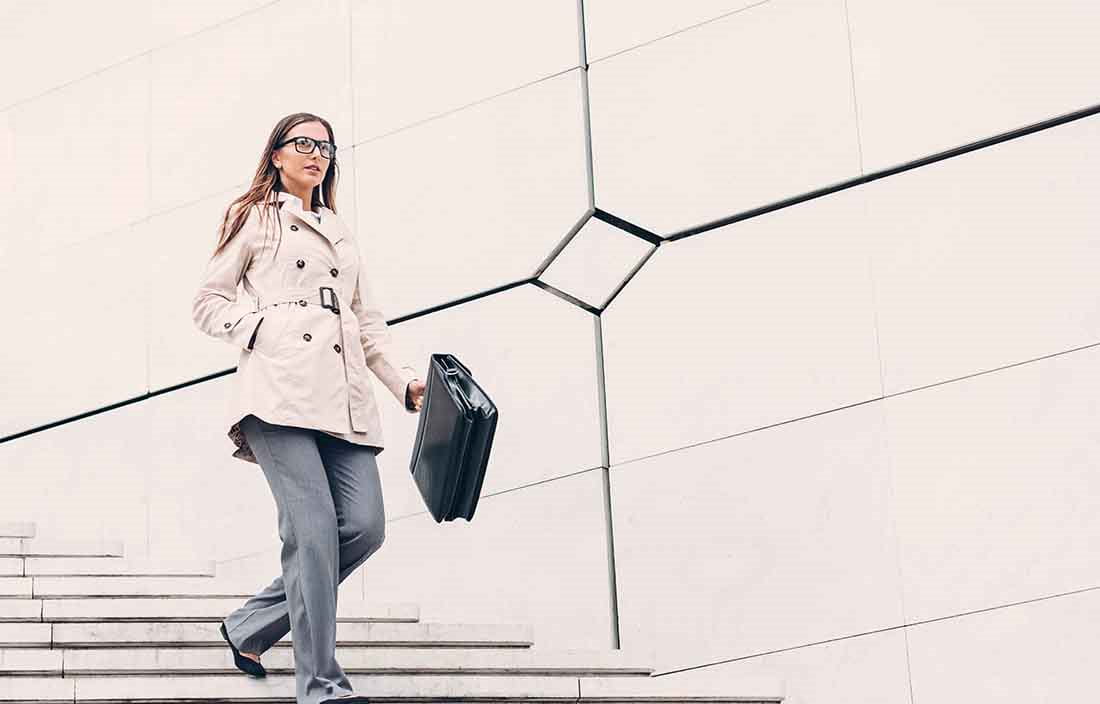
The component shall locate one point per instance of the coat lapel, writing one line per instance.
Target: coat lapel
(329, 227)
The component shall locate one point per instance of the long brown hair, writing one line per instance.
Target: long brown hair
(266, 181)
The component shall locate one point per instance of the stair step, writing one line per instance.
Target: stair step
(391, 661)
(166, 634)
(39, 547)
(10, 529)
(31, 661)
(11, 567)
(25, 635)
(197, 609)
(15, 587)
(114, 566)
(280, 689)
(160, 587)
(20, 610)
(40, 690)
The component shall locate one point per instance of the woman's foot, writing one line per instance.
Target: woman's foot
(245, 662)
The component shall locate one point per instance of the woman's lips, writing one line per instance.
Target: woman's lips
(313, 168)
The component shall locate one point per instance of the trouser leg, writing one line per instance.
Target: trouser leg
(293, 467)
(356, 490)
(357, 496)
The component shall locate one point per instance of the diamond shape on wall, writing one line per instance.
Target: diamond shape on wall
(596, 261)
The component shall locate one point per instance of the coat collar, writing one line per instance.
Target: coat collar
(328, 227)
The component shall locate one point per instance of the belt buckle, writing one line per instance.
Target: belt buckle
(335, 306)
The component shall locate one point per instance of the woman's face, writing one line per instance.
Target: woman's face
(302, 172)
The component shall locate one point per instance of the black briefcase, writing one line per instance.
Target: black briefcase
(453, 439)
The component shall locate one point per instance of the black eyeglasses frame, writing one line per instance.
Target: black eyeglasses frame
(313, 144)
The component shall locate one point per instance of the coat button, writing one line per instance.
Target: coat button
(307, 337)
(332, 271)
(302, 302)
(294, 227)
(301, 263)
(228, 325)
(336, 347)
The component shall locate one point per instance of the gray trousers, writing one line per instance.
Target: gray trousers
(329, 501)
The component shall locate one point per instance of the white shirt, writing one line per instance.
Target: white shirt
(298, 202)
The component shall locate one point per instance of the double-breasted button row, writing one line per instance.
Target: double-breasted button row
(294, 227)
(307, 337)
(301, 263)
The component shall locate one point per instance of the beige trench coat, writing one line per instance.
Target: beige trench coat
(301, 363)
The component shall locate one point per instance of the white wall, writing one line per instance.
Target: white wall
(851, 441)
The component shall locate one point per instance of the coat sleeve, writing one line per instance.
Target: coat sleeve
(374, 334)
(215, 308)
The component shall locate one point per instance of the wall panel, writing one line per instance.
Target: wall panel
(870, 669)
(735, 114)
(988, 258)
(758, 322)
(414, 59)
(76, 339)
(770, 540)
(1043, 651)
(536, 555)
(613, 26)
(475, 199)
(934, 75)
(994, 483)
(78, 162)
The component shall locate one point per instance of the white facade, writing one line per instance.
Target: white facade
(850, 442)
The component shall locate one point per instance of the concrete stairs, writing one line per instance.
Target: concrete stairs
(81, 623)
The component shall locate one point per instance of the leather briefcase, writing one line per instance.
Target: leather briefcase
(453, 439)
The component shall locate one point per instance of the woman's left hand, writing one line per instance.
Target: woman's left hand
(416, 393)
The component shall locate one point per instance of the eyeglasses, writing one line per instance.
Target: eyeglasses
(306, 145)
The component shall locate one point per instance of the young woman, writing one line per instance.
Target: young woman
(303, 406)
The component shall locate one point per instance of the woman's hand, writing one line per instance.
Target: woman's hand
(415, 393)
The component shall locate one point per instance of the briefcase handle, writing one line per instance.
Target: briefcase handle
(449, 362)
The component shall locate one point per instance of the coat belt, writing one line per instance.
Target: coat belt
(324, 296)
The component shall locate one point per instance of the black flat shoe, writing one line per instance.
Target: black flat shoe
(244, 664)
(350, 699)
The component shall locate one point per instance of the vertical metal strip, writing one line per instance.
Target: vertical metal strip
(605, 474)
(585, 108)
(605, 453)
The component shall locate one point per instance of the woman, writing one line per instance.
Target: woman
(302, 407)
